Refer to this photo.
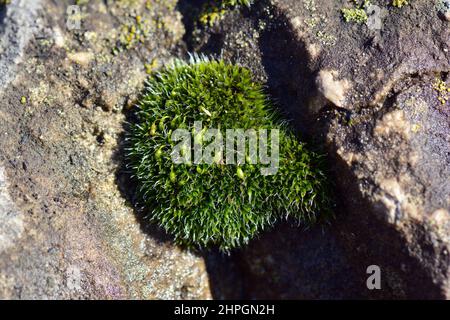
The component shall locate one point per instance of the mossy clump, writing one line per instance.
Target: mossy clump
(218, 204)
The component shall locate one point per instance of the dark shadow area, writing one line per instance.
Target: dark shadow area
(289, 262)
(226, 279)
(369, 241)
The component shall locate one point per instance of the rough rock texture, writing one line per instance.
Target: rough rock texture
(66, 229)
(366, 96)
(18, 25)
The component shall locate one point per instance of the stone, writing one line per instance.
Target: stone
(69, 224)
(367, 96)
(67, 228)
(334, 90)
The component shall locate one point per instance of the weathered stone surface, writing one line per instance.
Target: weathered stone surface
(66, 228)
(396, 166)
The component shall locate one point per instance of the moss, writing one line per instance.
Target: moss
(218, 203)
(232, 3)
(214, 11)
(133, 33)
(357, 14)
(211, 14)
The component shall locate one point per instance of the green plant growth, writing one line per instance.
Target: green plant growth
(399, 3)
(357, 14)
(215, 10)
(217, 204)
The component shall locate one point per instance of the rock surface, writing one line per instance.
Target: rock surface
(67, 225)
(66, 229)
(368, 96)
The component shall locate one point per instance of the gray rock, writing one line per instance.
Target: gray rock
(67, 227)
(18, 24)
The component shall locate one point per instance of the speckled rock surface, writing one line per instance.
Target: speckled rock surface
(66, 228)
(367, 96)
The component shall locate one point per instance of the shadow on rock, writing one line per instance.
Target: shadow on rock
(128, 185)
(287, 263)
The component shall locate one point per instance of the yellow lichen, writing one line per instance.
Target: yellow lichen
(317, 24)
(443, 91)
